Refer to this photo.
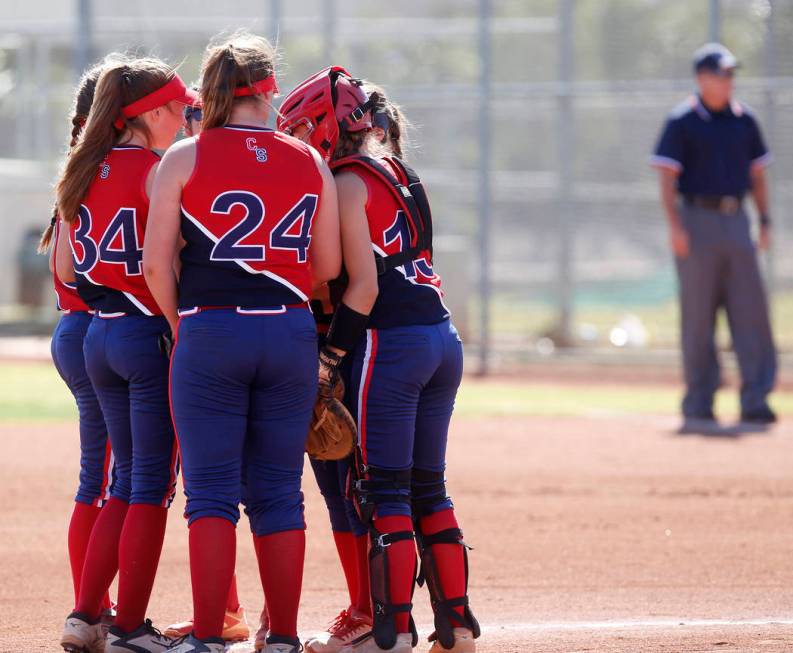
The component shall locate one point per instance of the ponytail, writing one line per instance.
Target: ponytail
(238, 62)
(121, 82)
(98, 138)
(82, 105)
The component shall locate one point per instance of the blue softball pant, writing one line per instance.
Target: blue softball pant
(129, 373)
(96, 460)
(243, 387)
(404, 383)
(332, 475)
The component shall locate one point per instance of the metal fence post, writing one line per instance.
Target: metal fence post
(565, 145)
(84, 35)
(484, 194)
(329, 16)
(771, 136)
(714, 20)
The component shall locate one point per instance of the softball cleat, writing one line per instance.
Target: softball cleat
(190, 644)
(144, 639)
(348, 626)
(80, 635)
(235, 627)
(464, 642)
(366, 644)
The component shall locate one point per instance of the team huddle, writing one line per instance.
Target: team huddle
(208, 298)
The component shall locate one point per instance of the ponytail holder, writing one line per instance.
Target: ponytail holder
(258, 88)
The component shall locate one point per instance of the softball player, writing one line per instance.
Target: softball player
(96, 460)
(405, 375)
(103, 200)
(258, 213)
(235, 626)
(349, 533)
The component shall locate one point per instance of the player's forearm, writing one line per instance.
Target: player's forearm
(760, 192)
(668, 195)
(162, 284)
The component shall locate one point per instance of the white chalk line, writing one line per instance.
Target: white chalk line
(572, 626)
(634, 624)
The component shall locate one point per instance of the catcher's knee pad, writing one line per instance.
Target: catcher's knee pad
(443, 607)
(428, 492)
(372, 487)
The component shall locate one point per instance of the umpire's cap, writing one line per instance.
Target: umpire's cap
(714, 58)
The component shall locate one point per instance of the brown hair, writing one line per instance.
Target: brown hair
(83, 99)
(238, 61)
(121, 82)
(350, 143)
(398, 125)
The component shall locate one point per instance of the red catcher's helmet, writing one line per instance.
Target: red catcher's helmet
(331, 92)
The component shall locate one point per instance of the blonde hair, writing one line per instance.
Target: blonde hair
(121, 82)
(238, 61)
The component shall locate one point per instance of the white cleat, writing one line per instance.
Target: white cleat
(366, 644)
(282, 647)
(145, 639)
(464, 642)
(82, 636)
(346, 628)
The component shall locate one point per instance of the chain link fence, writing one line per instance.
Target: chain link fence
(532, 124)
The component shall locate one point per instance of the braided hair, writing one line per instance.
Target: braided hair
(83, 100)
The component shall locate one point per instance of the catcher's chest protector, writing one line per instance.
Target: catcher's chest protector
(400, 227)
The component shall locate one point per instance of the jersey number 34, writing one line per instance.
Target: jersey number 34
(122, 230)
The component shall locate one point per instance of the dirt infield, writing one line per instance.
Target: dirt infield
(607, 533)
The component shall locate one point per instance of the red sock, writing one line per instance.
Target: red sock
(138, 556)
(449, 557)
(363, 602)
(280, 557)
(233, 600)
(80, 526)
(346, 548)
(213, 551)
(401, 564)
(101, 557)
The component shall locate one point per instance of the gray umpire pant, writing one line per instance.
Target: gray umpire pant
(722, 270)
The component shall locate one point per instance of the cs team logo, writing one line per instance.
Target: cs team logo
(261, 153)
(104, 170)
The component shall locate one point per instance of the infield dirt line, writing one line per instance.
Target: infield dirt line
(629, 624)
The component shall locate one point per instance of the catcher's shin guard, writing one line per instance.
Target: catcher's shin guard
(432, 493)
(370, 487)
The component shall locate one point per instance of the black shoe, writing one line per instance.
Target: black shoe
(762, 415)
(702, 423)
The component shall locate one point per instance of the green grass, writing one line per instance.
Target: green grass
(479, 399)
(33, 392)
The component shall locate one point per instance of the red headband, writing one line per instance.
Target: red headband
(174, 89)
(262, 86)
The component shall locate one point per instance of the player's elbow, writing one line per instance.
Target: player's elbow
(326, 267)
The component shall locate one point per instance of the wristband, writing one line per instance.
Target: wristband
(347, 328)
(765, 219)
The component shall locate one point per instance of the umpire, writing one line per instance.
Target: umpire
(710, 155)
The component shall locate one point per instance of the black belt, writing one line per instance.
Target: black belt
(728, 204)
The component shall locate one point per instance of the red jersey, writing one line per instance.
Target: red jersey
(411, 293)
(247, 213)
(66, 293)
(107, 235)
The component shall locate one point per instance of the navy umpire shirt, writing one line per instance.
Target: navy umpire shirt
(713, 151)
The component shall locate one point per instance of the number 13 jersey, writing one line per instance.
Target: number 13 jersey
(107, 235)
(247, 213)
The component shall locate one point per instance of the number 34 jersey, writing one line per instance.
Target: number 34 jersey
(107, 235)
(247, 214)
